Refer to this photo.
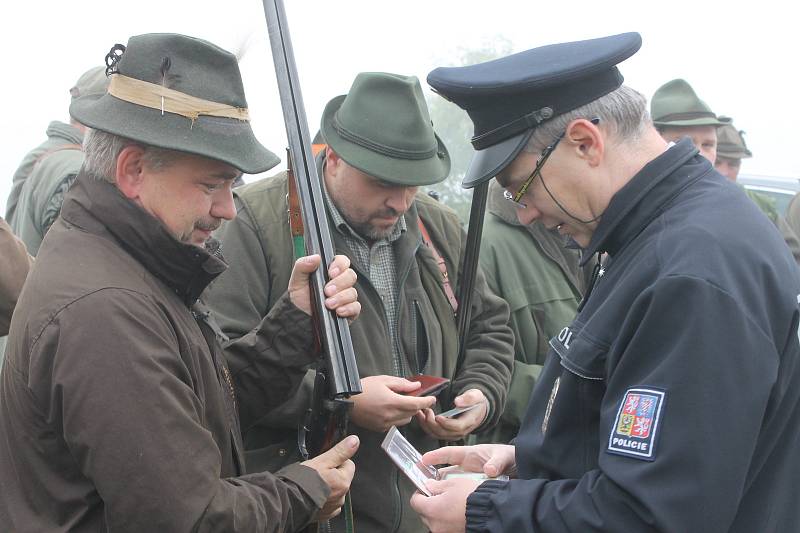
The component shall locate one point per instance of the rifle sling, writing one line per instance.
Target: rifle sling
(448, 288)
(296, 226)
(295, 215)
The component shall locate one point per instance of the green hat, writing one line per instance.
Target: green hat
(676, 104)
(92, 82)
(730, 141)
(382, 127)
(179, 93)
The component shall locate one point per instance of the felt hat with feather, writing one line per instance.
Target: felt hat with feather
(180, 93)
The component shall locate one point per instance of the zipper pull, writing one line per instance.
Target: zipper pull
(597, 272)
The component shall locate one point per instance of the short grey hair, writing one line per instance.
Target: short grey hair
(101, 150)
(623, 112)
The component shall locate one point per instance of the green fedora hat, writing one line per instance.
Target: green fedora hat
(92, 82)
(179, 93)
(382, 127)
(676, 104)
(730, 141)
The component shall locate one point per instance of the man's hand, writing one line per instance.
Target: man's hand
(336, 469)
(491, 459)
(379, 406)
(340, 291)
(458, 427)
(445, 511)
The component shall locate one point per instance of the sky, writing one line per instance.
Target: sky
(741, 58)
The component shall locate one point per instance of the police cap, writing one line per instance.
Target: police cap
(508, 98)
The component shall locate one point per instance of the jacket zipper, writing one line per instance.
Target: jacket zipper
(400, 301)
(397, 509)
(415, 337)
(397, 504)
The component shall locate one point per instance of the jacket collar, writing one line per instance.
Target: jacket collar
(645, 196)
(98, 207)
(68, 132)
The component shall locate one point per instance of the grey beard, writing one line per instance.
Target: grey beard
(371, 233)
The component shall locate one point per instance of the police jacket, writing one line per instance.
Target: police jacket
(672, 402)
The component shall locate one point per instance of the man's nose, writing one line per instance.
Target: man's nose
(527, 215)
(400, 198)
(223, 206)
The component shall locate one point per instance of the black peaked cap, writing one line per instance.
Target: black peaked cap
(508, 98)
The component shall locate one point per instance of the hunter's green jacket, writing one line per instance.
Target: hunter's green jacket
(530, 268)
(258, 248)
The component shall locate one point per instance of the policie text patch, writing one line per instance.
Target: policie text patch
(636, 426)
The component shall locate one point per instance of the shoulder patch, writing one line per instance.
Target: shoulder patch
(636, 425)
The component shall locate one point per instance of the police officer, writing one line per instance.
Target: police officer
(672, 401)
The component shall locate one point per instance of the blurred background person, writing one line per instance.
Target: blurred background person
(530, 267)
(60, 136)
(678, 112)
(14, 265)
(42, 192)
(731, 149)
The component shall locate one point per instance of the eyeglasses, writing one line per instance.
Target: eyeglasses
(516, 197)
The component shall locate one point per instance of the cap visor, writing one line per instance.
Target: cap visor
(489, 162)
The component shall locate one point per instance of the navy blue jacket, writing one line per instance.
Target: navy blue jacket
(672, 402)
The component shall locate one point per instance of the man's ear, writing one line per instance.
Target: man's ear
(587, 140)
(331, 157)
(129, 176)
(333, 165)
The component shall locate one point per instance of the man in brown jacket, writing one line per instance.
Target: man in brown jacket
(118, 410)
(14, 265)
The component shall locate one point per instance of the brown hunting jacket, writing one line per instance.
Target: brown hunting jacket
(118, 411)
(14, 265)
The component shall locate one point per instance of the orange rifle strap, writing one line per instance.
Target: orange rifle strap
(295, 215)
(448, 289)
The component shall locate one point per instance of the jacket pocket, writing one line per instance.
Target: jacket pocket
(579, 355)
(581, 390)
(422, 348)
(272, 458)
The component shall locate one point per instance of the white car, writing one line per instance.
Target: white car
(780, 189)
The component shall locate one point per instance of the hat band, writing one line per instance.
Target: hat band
(390, 151)
(531, 120)
(168, 100)
(686, 116)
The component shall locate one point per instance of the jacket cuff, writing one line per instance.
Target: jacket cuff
(479, 505)
(309, 481)
(293, 337)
